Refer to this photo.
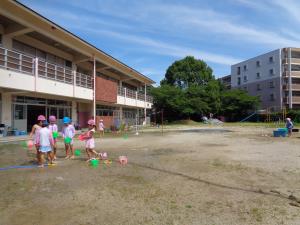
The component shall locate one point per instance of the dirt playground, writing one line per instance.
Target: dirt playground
(211, 178)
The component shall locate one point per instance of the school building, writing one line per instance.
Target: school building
(45, 69)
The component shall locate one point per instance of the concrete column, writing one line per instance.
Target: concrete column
(121, 114)
(7, 42)
(74, 112)
(7, 109)
(74, 70)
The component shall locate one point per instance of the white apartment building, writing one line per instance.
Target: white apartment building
(45, 69)
(273, 76)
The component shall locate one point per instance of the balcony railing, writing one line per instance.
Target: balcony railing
(55, 72)
(15, 61)
(129, 93)
(84, 80)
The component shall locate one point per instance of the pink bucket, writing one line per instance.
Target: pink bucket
(123, 160)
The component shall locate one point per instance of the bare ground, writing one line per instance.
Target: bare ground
(238, 177)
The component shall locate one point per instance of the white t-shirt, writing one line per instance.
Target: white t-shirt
(44, 137)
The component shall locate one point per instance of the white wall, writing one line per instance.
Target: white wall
(83, 93)
(252, 69)
(121, 100)
(16, 80)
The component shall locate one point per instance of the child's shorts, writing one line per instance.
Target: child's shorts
(90, 143)
(45, 149)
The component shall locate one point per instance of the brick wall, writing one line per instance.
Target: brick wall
(106, 90)
(107, 121)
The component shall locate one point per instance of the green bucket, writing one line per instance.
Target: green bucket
(77, 152)
(125, 137)
(55, 134)
(94, 163)
(68, 140)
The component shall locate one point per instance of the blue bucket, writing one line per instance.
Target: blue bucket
(279, 133)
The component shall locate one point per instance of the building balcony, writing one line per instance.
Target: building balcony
(26, 73)
(295, 100)
(294, 87)
(293, 61)
(293, 74)
(23, 72)
(130, 97)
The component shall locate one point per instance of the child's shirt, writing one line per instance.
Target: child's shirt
(36, 131)
(53, 128)
(44, 137)
(289, 125)
(89, 134)
(68, 131)
(101, 126)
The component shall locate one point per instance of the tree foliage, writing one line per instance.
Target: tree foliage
(189, 90)
(237, 103)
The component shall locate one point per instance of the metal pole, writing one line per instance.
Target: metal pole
(162, 121)
(94, 88)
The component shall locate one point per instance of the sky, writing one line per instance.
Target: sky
(149, 35)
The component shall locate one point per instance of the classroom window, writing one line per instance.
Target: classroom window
(271, 59)
(271, 72)
(257, 63)
(238, 70)
(239, 81)
(245, 79)
(19, 113)
(245, 67)
(257, 75)
(271, 84)
(272, 98)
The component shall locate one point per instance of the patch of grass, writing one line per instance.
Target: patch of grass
(188, 206)
(257, 214)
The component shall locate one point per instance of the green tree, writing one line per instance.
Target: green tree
(236, 104)
(188, 71)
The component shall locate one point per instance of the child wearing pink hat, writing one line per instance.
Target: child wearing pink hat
(34, 132)
(54, 129)
(90, 141)
(101, 128)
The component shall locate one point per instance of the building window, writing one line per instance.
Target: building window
(245, 79)
(271, 72)
(257, 63)
(245, 67)
(239, 70)
(257, 75)
(271, 59)
(272, 98)
(271, 84)
(239, 81)
(258, 88)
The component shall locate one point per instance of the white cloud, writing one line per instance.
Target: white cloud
(162, 48)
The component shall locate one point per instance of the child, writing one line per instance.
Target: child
(289, 125)
(45, 141)
(101, 128)
(68, 132)
(89, 140)
(53, 128)
(34, 131)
